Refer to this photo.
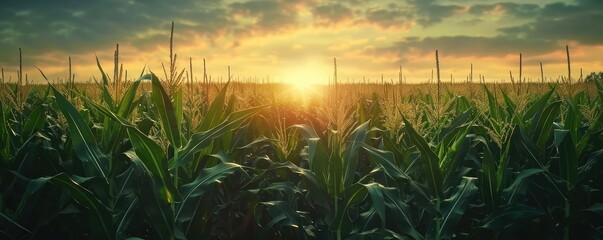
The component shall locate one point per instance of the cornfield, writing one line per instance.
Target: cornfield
(157, 158)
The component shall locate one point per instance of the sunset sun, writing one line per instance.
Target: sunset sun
(302, 86)
(307, 72)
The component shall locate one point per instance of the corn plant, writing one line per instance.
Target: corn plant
(457, 163)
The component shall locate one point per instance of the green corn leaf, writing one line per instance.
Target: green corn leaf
(501, 172)
(127, 204)
(4, 136)
(284, 216)
(401, 211)
(317, 152)
(150, 153)
(595, 208)
(286, 188)
(201, 140)
(34, 122)
(510, 107)
(599, 121)
(351, 196)
(167, 112)
(384, 202)
(4, 218)
(377, 199)
(106, 95)
(32, 187)
(487, 179)
(178, 108)
(317, 191)
(230, 106)
(399, 159)
(124, 219)
(216, 110)
(207, 177)
(509, 215)
(335, 167)
(101, 224)
(453, 208)
(573, 120)
(154, 158)
(568, 157)
(538, 107)
(385, 160)
(430, 161)
(377, 233)
(127, 104)
(527, 148)
(543, 123)
(84, 144)
(456, 151)
(492, 103)
(591, 166)
(458, 124)
(350, 158)
(159, 213)
(595, 125)
(511, 192)
(191, 192)
(108, 113)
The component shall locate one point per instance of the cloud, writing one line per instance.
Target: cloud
(468, 46)
(509, 8)
(564, 23)
(582, 28)
(391, 17)
(332, 13)
(227, 29)
(590, 2)
(428, 13)
(263, 17)
(86, 26)
(471, 22)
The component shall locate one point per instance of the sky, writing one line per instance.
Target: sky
(296, 40)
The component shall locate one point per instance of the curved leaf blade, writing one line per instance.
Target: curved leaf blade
(197, 187)
(510, 214)
(201, 140)
(430, 161)
(155, 160)
(85, 145)
(102, 224)
(166, 111)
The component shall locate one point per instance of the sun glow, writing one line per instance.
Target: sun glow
(304, 80)
(302, 87)
(307, 73)
(302, 92)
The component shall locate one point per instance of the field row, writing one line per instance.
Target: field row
(151, 159)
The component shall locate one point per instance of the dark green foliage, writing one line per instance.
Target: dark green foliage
(139, 167)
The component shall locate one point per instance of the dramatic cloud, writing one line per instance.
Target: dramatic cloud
(428, 12)
(467, 46)
(508, 8)
(392, 16)
(563, 22)
(262, 35)
(261, 16)
(332, 13)
(80, 26)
